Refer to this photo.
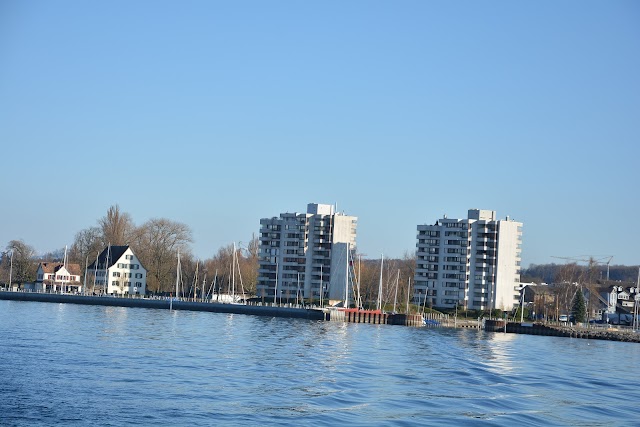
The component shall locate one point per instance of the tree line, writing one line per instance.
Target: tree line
(155, 242)
(554, 273)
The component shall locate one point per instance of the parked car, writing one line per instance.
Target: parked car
(563, 318)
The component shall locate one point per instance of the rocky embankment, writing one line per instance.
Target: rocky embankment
(611, 334)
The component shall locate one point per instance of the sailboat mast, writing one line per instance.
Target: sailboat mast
(86, 265)
(395, 298)
(106, 269)
(379, 305)
(178, 275)
(321, 287)
(355, 281)
(244, 298)
(215, 282)
(346, 281)
(408, 293)
(275, 290)
(424, 303)
(95, 272)
(10, 268)
(233, 273)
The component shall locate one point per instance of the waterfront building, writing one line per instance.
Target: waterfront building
(471, 263)
(306, 255)
(620, 298)
(56, 276)
(117, 271)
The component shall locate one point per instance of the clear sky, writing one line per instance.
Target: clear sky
(217, 114)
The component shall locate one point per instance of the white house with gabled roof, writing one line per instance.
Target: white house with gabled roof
(117, 271)
(56, 277)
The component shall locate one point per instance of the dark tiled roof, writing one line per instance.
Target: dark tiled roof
(114, 254)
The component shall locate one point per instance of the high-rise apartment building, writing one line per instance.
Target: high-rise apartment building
(472, 263)
(306, 255)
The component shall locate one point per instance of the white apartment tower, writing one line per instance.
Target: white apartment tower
(306, 255)
(473, 263)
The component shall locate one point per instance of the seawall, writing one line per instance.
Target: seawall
(166, 304)
(561, 331)
(376, 317)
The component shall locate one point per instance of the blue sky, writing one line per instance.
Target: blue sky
(217, 114)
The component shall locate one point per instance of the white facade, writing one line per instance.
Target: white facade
(56, 277)
(472, 263)
(306, 255)
(118, 271)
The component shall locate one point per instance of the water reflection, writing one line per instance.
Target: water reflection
(115, 321)
(187, 368)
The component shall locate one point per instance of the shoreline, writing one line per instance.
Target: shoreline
(494, 326)
(608, 334)
(166, 304)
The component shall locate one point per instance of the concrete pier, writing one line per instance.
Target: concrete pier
(353, 315)
(376, 317)
(166, 304)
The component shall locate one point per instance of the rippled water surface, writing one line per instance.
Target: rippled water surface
(64, 364)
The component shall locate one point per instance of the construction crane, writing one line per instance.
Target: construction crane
(589, 259)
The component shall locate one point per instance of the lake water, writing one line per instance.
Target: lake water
(64, 364)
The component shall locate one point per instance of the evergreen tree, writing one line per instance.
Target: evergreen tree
(579, 309)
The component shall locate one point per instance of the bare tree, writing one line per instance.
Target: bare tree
(249, 263)
(156, 243)
(87, 243)
(23, 264)
(369, 271)
(117, 227)
(5, 261)
(567, 279)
